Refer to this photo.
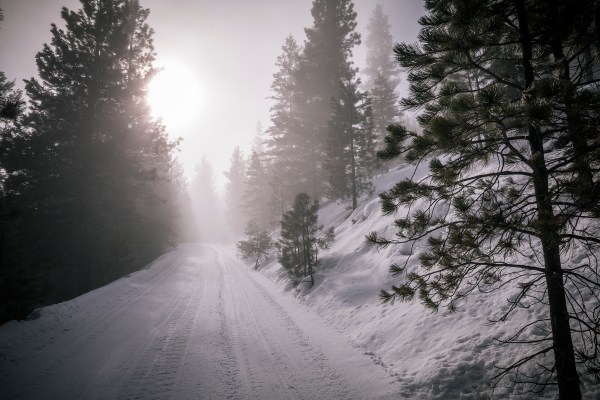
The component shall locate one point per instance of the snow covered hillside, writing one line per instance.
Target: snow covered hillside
(432, 356)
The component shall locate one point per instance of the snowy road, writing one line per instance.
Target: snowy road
(196, 324)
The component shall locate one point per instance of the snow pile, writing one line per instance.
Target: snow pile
(433, 356)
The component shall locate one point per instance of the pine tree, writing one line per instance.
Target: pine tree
(325, 62)
(499, 93)
(234, 192)
(286, 145)
(205, 201)
(350, 158)
(381, 73)
(11, 107)
(299, 244)
(258, 195)
(385, 106)
(257, 246)
(92, 155)
(19, 287)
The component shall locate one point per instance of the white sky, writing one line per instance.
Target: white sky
(231, 46)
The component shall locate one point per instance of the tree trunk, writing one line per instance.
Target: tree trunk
(564, 356)
(353, 166)
(583, 187)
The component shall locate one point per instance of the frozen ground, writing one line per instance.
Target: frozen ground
(196, 324)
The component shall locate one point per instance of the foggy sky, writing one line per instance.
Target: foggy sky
(231, 45)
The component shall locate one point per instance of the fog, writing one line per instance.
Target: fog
(230, 46)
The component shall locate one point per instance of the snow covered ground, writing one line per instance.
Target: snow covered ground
(195, 324)
(199, 324)
(432, 356)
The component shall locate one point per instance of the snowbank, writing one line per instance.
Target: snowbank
(434, 356)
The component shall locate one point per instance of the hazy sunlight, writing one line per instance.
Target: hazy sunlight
(175, 95)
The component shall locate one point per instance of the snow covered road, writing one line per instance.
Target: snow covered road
(196, 324)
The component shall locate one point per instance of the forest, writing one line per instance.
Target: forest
(501, 125)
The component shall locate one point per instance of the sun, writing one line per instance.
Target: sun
(174, 95)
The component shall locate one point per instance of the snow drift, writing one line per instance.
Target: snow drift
(439, 355)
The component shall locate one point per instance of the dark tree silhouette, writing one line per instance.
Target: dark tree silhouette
(92, 172)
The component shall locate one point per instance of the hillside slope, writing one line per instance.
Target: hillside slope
(433, 356)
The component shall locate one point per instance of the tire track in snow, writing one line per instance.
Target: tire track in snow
(158, 371)
(195, 325)
(275, 356)
(75, 336)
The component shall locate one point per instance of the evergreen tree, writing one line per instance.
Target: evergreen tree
(234, 192)
(18, 286)
(350, 159)
(298, 252)
(381, 73)
(325, 62)
(257, 246)
(11, 107)
(286, 145)
(380, 51)
(385, 106)
(258, 195)
(205, 201)
(503, 160)
(92, 155)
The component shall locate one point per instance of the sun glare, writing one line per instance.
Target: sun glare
(174, 95)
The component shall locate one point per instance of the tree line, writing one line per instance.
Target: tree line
(326, 126)
(88, 183)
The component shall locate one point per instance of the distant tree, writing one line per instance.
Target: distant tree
(206, 202)
(325, 63)
(19, 287)
(286, 145)
(381, 73)
(234, 192)
(258, 193)
(510, 111)
(90, 154)
(380, 50)
(350, 157)
(257, 246)
(385, 106)
(299, 244)
(258, 141)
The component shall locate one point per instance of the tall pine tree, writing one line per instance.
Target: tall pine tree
(286, 146)
(325, 63)
(17, 285)
(350, 157)
(258, 193)
(234, 192)
(499, 83)
(381, 73)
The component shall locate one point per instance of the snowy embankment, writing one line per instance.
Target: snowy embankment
(439, 355)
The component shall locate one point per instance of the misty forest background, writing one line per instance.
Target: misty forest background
(505, 102)
(91, 188)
